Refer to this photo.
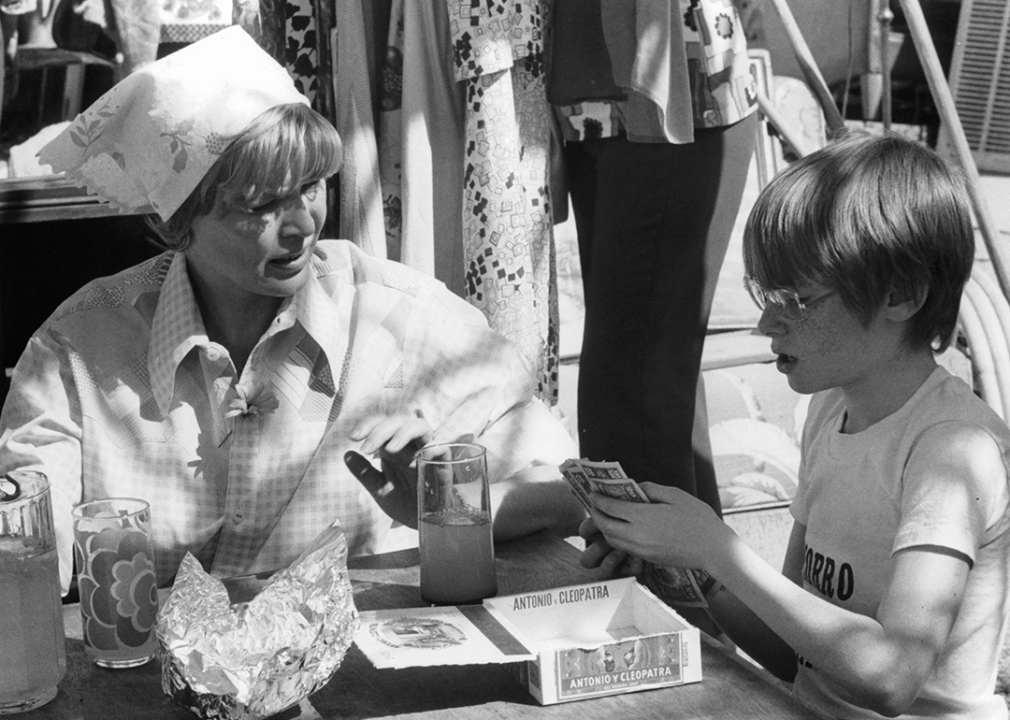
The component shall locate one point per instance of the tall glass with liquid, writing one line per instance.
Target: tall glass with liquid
(454, 524)
(32, 644)
(117, 582)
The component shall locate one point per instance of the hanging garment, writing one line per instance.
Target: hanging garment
(401, 186)
(508, 235)
(360, 210)
(390, 125)
(300, 48)
(423, 177)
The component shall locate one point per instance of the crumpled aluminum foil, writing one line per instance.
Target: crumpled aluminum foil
(252, 660)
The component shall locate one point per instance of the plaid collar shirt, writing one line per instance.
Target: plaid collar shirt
(121, 393)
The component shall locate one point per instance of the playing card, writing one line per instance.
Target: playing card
(586, 476)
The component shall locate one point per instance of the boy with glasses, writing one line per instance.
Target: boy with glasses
(893, 599)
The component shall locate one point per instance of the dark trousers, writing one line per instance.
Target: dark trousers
(654, 221)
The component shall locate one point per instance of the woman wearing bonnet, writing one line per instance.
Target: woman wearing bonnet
(235, 379)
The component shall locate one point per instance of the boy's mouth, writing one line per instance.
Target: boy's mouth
(784, 362)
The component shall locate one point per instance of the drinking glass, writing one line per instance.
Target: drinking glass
(32, 644)
(116, 580)
(454, 513)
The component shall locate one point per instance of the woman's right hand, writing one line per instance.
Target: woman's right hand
(393, 440)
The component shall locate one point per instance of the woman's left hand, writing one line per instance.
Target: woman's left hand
(393, 440)
(675, 528)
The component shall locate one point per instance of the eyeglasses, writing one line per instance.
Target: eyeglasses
(789, 300)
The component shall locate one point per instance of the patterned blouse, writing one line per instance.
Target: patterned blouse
(718, 86)
(121, 393)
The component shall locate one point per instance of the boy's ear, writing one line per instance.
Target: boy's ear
(901, 305)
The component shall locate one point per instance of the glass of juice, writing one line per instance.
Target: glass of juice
(454, 514)
(32, 645)
(116, 580)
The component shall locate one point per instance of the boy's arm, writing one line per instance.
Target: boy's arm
(745, 628)
(879, 662)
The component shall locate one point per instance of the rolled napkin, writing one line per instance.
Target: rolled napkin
(251, 660)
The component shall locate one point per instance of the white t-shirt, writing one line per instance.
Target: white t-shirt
(865, 496)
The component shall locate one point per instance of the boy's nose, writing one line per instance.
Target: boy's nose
(772, 321)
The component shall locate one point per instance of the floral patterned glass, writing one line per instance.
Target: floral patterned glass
(116, 580)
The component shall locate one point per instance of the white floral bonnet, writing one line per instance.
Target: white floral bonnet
(145, 145)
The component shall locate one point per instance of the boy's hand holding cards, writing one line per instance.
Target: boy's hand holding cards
(676, 586)
(586, 476)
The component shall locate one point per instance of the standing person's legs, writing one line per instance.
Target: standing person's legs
(654, 221)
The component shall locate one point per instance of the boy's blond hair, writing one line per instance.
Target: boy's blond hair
(868, 215)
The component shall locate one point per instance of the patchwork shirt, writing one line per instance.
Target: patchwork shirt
(677, 65)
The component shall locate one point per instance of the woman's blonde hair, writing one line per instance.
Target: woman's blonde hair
(284, 148)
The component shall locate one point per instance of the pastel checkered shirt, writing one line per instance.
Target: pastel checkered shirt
(121, 393)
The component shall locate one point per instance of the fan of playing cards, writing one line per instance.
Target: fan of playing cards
(676, 586)
(586, 476)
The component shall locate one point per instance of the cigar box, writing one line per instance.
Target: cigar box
(569, 643)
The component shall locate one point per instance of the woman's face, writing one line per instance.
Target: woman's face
(241, 253)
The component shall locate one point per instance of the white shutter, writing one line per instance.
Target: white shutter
(980, 82)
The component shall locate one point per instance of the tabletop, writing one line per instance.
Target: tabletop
(731, 689)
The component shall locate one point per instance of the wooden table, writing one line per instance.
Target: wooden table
(731, 689)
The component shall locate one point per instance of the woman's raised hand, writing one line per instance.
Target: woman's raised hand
(393, 440)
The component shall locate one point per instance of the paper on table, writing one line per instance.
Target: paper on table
(422, 637)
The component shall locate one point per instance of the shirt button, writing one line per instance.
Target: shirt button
(238, 517)
(213, 354)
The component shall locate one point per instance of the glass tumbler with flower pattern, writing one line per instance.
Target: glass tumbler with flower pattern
(116, 580)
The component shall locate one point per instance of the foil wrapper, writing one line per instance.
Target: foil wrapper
(250, 660)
